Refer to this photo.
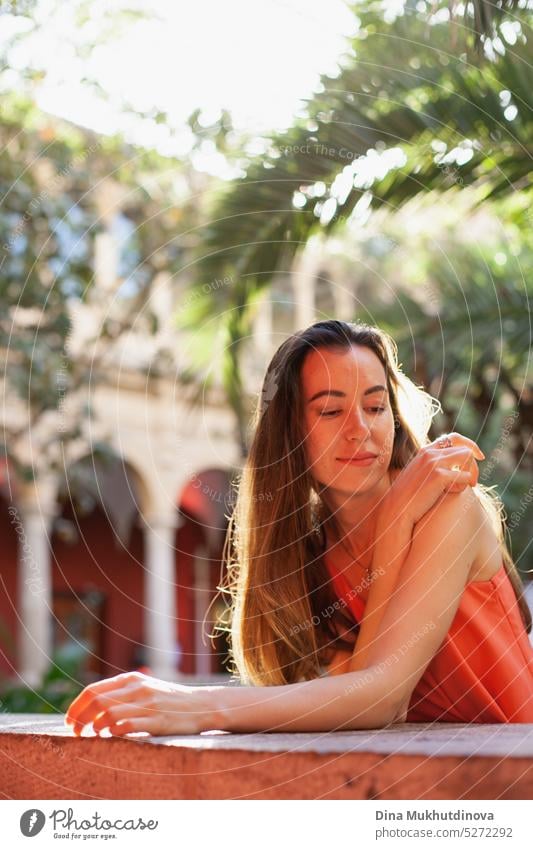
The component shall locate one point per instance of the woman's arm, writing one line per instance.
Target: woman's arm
(413, 626)
(395, 527)
(445, 543)
(391, 548)
(415, 622)
(392, 544)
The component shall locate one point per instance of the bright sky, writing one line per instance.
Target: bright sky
(257, 58)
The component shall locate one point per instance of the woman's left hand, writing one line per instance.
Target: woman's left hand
(133, 701)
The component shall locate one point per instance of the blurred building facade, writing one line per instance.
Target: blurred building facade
(116, 545)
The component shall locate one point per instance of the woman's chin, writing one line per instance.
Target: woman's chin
(354, 483)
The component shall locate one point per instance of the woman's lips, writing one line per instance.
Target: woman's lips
(364, 462)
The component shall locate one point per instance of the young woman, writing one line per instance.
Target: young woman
(369, 574)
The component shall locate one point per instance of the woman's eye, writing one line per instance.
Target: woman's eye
(330, 413)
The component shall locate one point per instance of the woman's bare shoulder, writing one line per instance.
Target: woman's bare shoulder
(456, 516)
(489, 556)
(465, 510)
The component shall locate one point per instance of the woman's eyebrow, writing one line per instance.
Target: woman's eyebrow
(338, 394)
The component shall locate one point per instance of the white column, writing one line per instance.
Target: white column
(106, 256)
(107, 197)
(303, 279)
(202, 592)
(345, 303)
(34, 579)
(160, 619)
(262, 327)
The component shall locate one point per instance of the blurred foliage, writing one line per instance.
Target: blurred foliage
(60, 685)
(52, 175)
(405, 117)
(467, 340)
(419, 123)
(431, 108)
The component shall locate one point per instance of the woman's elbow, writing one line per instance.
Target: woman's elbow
(388, 706)
(395, 714)
(400, 715)
(374, 720)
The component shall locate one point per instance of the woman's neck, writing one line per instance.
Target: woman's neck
(357, 514)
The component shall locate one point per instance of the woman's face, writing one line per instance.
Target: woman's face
(345, 414)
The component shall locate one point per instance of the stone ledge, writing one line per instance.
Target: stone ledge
(41, 759)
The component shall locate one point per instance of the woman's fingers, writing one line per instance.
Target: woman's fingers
(123, 702)
(103, 686)
(461, 456)
(463, 453)
(470, 465)
(455, 480)
(114, 714)
(451, 459)
(138, 723)
(95, 703)
(464, 440)
(460, 450)
(475, 473)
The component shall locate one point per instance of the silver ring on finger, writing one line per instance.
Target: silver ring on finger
(445, 442)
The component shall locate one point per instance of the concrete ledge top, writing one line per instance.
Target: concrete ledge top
(513, 740)
(40, 758)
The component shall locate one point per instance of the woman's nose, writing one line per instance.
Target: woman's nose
(356, 426)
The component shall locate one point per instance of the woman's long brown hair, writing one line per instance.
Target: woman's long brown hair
(284, 621)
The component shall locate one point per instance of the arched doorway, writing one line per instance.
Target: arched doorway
(97, 546)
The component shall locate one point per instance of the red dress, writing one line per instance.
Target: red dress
(483, 669)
